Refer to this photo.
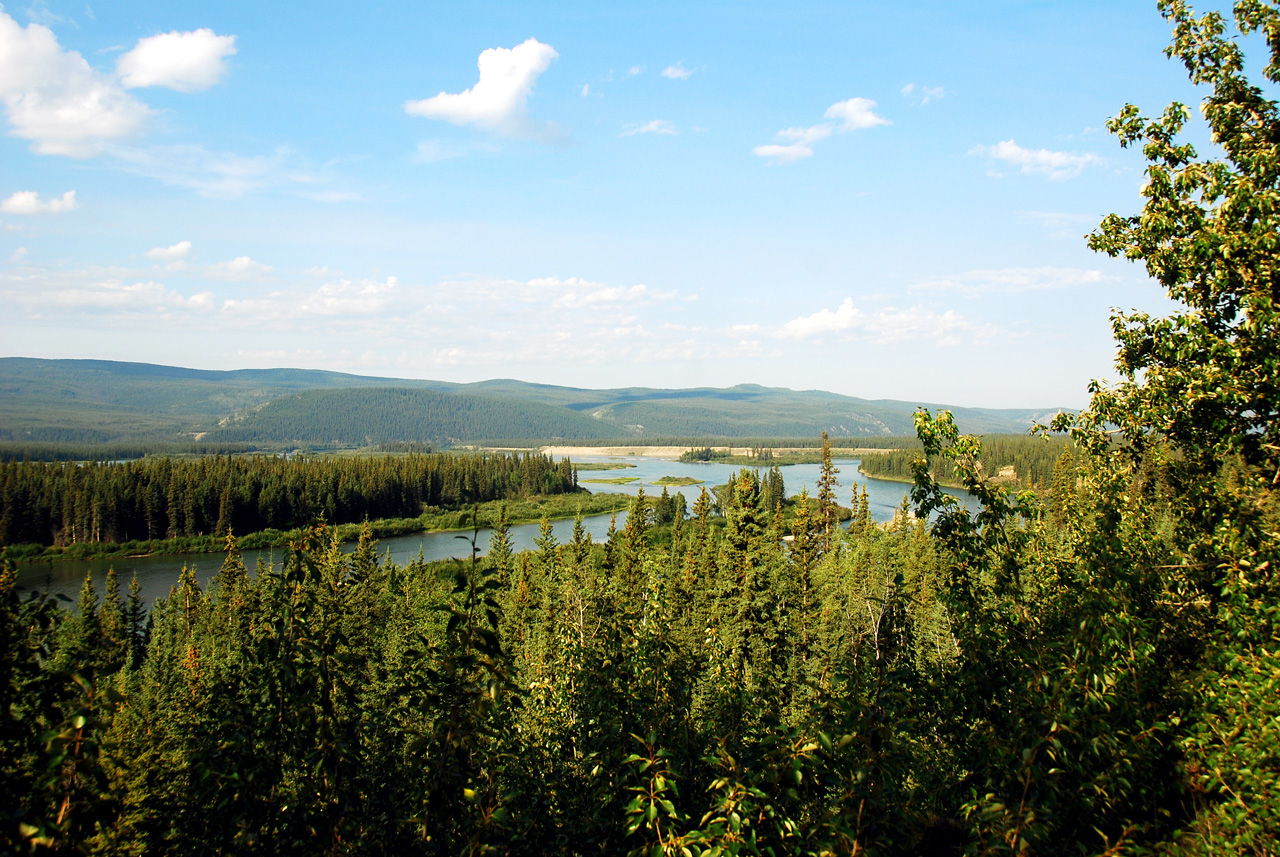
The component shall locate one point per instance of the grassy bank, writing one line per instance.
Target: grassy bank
(433, 520)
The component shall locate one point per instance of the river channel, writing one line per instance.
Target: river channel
(157, 574)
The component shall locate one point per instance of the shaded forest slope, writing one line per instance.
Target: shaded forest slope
(101, 401)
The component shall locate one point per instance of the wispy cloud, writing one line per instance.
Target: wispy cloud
(499, 99)
(654, 126)
(793, 144)
(1011, 281)
(29, 202)
(677, 71)
(923, 94)
(1056, 166)
(219, 175)
(1062, 224)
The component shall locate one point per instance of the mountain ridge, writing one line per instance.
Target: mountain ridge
(100, 401)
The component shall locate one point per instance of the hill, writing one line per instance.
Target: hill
(102, 402)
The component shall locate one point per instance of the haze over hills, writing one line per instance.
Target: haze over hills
(101, 401)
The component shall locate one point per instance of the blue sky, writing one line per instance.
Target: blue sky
(879, 201)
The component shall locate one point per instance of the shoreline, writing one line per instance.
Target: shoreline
(674, 452)
(348, 532)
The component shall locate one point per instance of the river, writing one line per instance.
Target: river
(157, 574)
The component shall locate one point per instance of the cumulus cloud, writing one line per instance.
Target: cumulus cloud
(845, 317)
(29, 202)
(923, 94)
(677, 71)
(1056, 166)
(855, 114)
(499, 98)
(1011, 281)
(887, 325)
(53, 98)
(793, 144)
(654, 126)
(172, 253)
(240, 268)
(187, 62)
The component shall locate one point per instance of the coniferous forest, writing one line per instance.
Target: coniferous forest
(1091, 669)
(156, 498)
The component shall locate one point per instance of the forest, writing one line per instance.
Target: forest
(162, 498)
(1090, 668)
(1019, 461)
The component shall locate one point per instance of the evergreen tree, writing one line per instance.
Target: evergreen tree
(827, 484)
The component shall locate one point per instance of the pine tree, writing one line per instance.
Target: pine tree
(827, 484)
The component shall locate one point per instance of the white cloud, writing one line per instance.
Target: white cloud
(187, 62)
(812, 134)
(677, 72)
(104, 298)
(342, 299)
(1012, 281)
(797, 143)
(28, 202)
(856, 113)
(845, 317)
(923, 94)
(634, 70)
(18, 255)
(56, 100)
(655, 126)
(886, 326)
(172, 253)
(586, 90)
(498, 100)
(783, 154)
(240, 268)
(1057, 166)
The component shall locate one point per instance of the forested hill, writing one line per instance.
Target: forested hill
(363, 417)
(101, 401)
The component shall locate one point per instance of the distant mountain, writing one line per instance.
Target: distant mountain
(102, 401)
(364, 417)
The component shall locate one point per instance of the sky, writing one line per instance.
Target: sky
(880, 200)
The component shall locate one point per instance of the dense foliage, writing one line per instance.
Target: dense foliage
(1092, 670)
(155, 498)
(1018, 461)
